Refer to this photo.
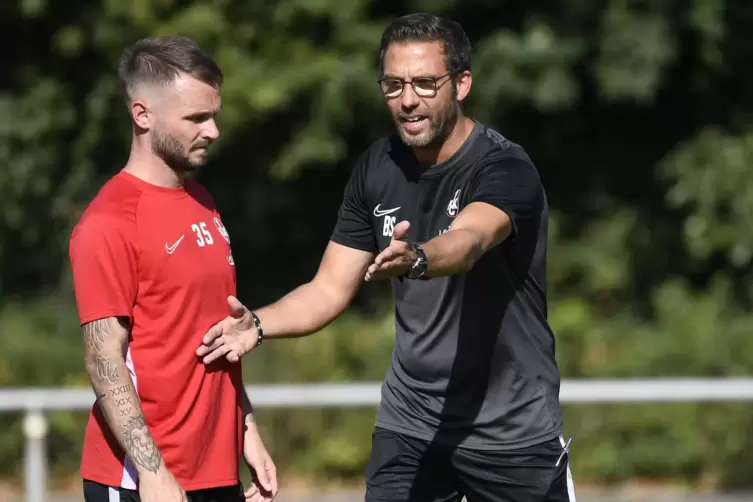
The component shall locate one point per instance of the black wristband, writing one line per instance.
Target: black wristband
(259, 330)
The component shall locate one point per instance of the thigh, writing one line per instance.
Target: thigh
(97, 492)
(536, 474)
(406, 469)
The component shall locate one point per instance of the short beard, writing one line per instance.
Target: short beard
(441, 126)
(169, 149)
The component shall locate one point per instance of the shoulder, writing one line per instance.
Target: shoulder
(503, 156)
(112, 211)
(498, 147)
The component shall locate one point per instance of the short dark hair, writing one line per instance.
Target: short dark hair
(160, 60)
(422, 27)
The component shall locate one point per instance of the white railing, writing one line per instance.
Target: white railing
(35, 402)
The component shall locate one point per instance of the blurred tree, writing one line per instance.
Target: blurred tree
(638, 115)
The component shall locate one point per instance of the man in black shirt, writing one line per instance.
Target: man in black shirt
(455, 216)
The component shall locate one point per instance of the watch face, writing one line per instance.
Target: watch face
(419, 266)
(418, 269)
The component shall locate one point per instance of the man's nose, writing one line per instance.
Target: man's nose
(409, 98)
(212, 132)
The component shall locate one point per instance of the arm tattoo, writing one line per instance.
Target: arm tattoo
(100, 397)
(140, 444)
(95, 333)
(107, 370)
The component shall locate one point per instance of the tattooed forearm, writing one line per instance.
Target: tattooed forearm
(125, 405)
(95, 333)
(107, 370)
(100, 398)
(106, 342)
(140, 444)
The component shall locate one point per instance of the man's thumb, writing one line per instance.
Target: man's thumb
(236, 307)
(400, 231)
(264, 479)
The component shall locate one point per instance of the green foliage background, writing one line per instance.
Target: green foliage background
(637, 113)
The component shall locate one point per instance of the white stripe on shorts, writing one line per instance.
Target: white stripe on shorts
(114, 494)
(570, 484)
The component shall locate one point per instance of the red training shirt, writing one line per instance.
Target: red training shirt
(162, 257)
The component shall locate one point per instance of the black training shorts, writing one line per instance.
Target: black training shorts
(96, 492)
(407, 469)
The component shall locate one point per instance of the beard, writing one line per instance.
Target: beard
(440, 124)
(168, 148)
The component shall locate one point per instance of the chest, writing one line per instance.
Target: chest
(430, 204)
(183, 244)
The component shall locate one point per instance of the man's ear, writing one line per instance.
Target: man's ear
(463, 85)
(141, 115)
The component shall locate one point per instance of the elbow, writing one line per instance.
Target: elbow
(466, 265)
(331, 302)
(475, 252)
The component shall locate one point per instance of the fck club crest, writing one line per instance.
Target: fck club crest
(222, 230)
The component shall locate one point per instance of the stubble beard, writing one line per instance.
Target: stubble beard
(440, 126)
(172, 153)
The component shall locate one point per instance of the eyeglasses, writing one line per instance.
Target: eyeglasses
(426, 87)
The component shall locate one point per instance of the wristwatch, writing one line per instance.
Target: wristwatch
(419, 266)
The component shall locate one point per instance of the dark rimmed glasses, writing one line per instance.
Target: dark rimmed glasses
(425, 87)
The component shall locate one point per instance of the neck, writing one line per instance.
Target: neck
(432, 155)
(147, 166)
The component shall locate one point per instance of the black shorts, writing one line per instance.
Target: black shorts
(406, 469)
(96, 492)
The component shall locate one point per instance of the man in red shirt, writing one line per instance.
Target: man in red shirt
(152, 266)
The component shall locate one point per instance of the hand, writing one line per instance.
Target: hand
(232, 337)
(264, 485)
(161, 487)
(396, 260)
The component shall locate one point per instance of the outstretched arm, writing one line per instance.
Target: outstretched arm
(312, 306)
(305, 310)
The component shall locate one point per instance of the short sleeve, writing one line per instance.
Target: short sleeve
(103, 259)
(512, 185)
(353, 228)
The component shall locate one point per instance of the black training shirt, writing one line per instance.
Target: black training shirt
(474, 360)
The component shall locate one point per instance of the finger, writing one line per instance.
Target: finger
(385, 255)
(218, 342)
(214, 332)
(370, 272)
(272, 471)
(400, 232)
(256, 497)
(236, 307)
(259, 467)
(251, 491)
(216, 354)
